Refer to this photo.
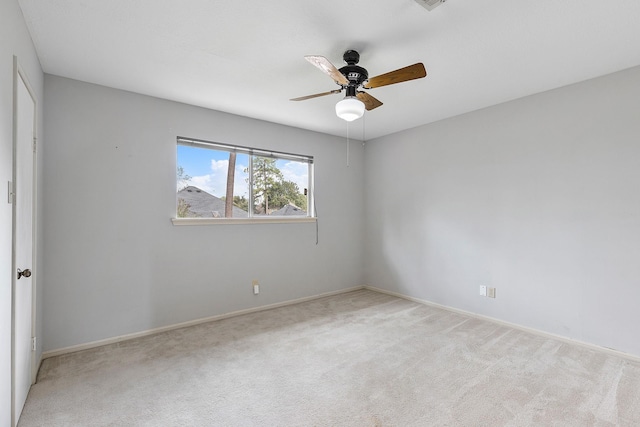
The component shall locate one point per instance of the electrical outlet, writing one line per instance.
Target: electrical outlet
(256, 287)
(483, 291)
(491, 292)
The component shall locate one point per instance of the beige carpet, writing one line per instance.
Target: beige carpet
(358, 359)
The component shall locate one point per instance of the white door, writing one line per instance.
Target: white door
(23, 280)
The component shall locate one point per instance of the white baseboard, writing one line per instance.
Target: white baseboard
(126, 337)
(36, 367)
(595, 347)
(100, 343)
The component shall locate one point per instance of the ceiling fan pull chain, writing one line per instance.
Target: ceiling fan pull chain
(363, 130)
(347, 144)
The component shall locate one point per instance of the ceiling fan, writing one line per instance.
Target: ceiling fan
(352, 77)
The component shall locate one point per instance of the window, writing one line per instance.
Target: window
(216, 180)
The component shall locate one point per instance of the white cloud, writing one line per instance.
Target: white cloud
(205, 182)
(297, 172)
(216, 182)
(219, 166)
(240, 185)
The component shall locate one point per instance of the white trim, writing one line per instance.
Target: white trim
(20, 75)
(211, 145)
(538, 332)
(100, 343)
(34, 216)
(253, 220)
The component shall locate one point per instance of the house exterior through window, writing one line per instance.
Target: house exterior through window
(215, 180)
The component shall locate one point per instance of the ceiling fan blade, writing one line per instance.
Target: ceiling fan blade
(302, 98)
(328, 68)
(369, 101)
(415, 71)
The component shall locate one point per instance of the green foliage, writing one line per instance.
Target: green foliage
(270, 191)
(286, 192)
(265, 176)
(241, 202)
(183, 210)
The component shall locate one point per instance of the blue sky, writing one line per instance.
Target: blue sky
(194, 162)
(208, 170)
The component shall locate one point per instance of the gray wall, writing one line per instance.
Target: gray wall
(536, 197)
(539, 197)
(115, 263)
(14, 40)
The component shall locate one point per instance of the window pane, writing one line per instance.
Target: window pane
(279, 187)
(216, 180)
(202, 178)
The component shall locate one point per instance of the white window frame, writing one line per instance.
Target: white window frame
(251, 219)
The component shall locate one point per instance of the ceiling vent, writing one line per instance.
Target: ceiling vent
(430, 4)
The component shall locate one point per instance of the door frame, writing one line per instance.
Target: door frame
(19, 73)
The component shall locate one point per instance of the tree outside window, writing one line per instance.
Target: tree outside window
(222, 181)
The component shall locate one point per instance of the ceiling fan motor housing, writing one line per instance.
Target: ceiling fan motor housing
(355, 74)
(351, 57)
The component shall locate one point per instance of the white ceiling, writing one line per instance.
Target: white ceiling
(246, 56)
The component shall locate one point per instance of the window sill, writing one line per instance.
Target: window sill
(220, 221)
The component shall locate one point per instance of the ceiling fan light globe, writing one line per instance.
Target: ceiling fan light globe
(350, 108)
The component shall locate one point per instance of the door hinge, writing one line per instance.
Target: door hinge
(10, 194)
(33, 343)
(35, 144)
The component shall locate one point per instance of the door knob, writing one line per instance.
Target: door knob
(26, 273)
